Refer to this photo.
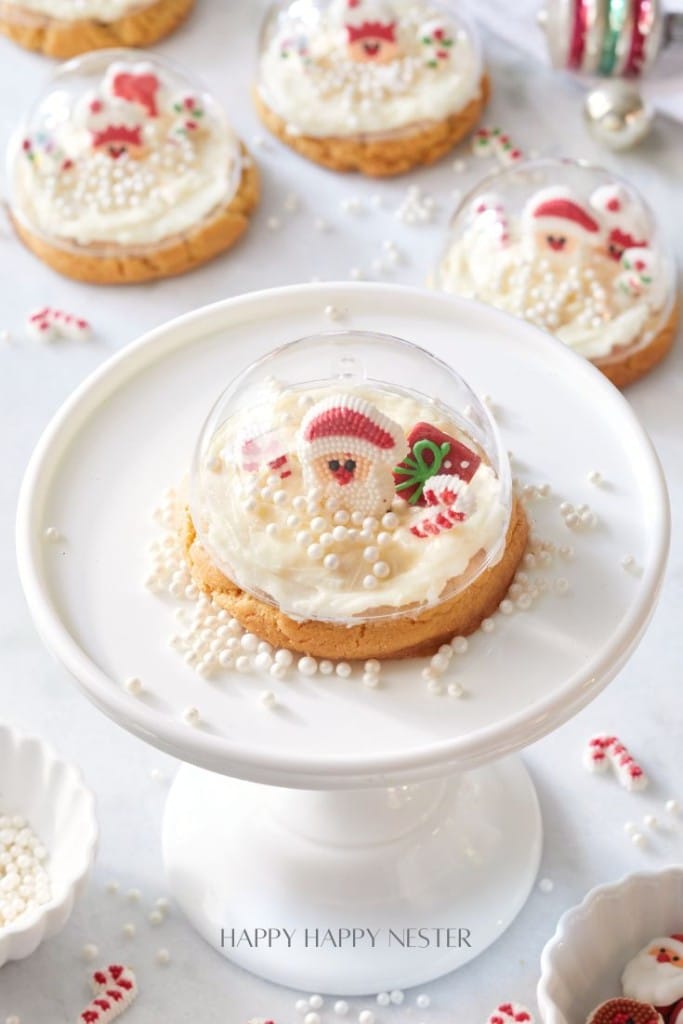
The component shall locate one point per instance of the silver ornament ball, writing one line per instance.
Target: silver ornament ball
(617, 115)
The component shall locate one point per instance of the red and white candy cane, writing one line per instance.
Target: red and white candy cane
(605, 751)
(256, 451)
(441, 498)
(115, 988)
(506, 1013)
(48, 323)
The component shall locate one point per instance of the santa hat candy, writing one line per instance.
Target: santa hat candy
(559, 211)
(375, 16)
(622, 215)
(624, 1011)
(655, 975)
(137, 84)
(348, 421)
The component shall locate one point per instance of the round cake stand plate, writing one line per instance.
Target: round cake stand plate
(380, 822)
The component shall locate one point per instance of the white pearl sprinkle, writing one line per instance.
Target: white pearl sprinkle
(191, 716)
(155, 918)
(455, 690)
(381, 570)
(133, 686)
(366, 1017)
(546, 885)
(90, 952)
(650, 821)
(283, 657)
(331, 562)
(343, 669)
(341, 1007)
(52, 535)
(307, 666)
(129, 930)
(423, 1001)
(672, 807)
(638, 839)
(312, 1018)
(383, 999)
(315, 1002)
(487, 626)
(163, 957)
(396, 997)
(301, 1005)
(459, 644)
(370, 582)
(595, 477)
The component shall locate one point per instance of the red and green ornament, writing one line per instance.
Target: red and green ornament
(431, 452)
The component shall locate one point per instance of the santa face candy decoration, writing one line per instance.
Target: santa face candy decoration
(343, 513)
(655, 976)
(378, 86)
(625, 1011)
(64, 28)
(126, 171)
(574, 250)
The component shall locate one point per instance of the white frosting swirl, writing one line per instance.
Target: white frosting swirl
(308, 78)
(155, 178)
(253, 526)
(74, 10)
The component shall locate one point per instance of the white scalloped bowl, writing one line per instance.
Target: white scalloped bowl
(582, 964)
(51, 795)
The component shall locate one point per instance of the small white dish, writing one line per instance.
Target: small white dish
(582, 964)
(51, 795)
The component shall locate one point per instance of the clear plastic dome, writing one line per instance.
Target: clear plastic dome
(570, 247)
(353, 68)
(350, 476)
(121, 150)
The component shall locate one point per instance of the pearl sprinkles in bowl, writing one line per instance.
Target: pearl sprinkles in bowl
(48, 835)
(583, 964)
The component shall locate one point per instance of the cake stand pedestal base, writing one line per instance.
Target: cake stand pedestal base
(353, 892)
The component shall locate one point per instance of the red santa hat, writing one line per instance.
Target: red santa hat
(348, 422)
(623, 216)
(558, 211)
(369, 19)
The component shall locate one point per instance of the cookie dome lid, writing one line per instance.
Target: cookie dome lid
(121, 151)
(571, 247)
(344, 68)
(350, 476)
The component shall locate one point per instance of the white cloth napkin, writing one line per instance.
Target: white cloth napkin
(663, 86)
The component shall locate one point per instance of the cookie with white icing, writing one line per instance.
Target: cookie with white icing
(67, 28)
(139, 177)
(377, 86)
(350, 522)
(574, 251)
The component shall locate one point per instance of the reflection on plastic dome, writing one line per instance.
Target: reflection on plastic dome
(568, 247)
(347, 67)
(326, 482)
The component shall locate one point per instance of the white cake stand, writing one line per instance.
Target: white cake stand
(345, 808)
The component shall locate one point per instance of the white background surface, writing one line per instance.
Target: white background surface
(584, 816)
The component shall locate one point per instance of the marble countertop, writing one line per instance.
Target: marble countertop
(585, 842)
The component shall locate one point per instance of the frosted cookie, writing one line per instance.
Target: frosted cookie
(352, 520)
(67, 28)
(128, 171)
(655, 975)
(575, 251)
(624, 1011)
(378, 86)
